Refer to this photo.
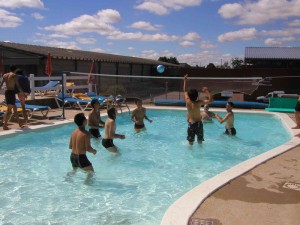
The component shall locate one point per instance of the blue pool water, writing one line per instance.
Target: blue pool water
(156, 168)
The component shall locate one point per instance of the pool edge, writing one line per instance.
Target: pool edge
(180, 212)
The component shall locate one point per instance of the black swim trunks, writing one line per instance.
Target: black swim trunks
(297, 108)
(10, 97)
(195, 129)
(80, 161)
(107, 143)
(230, 131)
(139, 126)
(95, 133)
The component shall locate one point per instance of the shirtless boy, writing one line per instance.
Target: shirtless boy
(94, 120)
(80, 144)
(207, 115)
(110, 131)
(138, 116)
(194, 118)
(10, 96)
(229, 119)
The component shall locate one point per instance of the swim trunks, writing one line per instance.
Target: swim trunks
(195, 129)
(139, 126)
(10, 97)
(107, 143)
(230, 131)
(297, 108)
(80, 161)
(95, 133)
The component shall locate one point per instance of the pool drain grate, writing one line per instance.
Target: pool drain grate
(202, 222)
(292, 186)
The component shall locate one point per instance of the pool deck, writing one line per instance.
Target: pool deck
(258, 196)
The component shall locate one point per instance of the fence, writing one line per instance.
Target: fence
(63, 83)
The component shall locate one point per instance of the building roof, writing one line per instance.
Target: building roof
(70, 54)
(272, 53)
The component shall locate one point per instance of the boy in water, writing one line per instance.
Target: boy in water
(207, 115)
(94, 119)
(229, 119)
(194, 118)
(110, 131)
(80, 144)
(138, 116)
(10, 96)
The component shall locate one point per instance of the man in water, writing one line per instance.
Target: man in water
(11, 81)
(138, 116)
(110, 131)
(194, 118)
(80, 144)
(229, 119)
(94, 120)
(207, 115)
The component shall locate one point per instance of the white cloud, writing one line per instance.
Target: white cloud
(37, 16)
(261, 11)
(97, 50)
(164, 7)
(86, 41)
(278, 41)
(100, 23)
(8, 19)
(243, 34)
(186, 43)
(145, 26)
(281, 33)
(21, 3)
(191, 36)
(130, 48)
(58, 44)
(295, 23)
(206, 45)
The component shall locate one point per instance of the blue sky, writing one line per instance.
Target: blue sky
(194, 31)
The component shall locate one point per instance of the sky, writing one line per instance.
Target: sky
(196, 32)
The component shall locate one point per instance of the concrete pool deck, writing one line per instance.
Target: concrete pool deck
(258, 196)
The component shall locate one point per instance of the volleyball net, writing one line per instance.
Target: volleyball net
(160, 87)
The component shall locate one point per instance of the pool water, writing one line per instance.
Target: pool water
(156, 167)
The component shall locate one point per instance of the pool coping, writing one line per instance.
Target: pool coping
(183, 208)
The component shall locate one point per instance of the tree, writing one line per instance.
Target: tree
(210, 66)
(237, 63)
(168, 60)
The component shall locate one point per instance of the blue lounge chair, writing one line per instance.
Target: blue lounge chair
(44, 110)
(72, 102)
(52, 85)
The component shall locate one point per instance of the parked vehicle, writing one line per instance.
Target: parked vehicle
(272, 94)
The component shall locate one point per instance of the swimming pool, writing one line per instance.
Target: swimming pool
(156, 167)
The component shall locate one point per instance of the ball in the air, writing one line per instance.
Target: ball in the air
(160, 68)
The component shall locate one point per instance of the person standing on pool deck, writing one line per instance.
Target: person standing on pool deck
(194, 118)
(110, 131)
(229, 119)
(297, 114)
(11, 81)
(138, 116)
(94, 119)
(80, 144)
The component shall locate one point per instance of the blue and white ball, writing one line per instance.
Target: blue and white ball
(160, 68)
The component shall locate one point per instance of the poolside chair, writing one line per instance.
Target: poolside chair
(52, 85)
(44, 110)
(70, 87)
(81, 96)
(72, 102)
(3, 109)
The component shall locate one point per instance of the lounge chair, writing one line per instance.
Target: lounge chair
(100, 98)
(70, 87)
(72, 102)
(44, 110)
(3, 109)
(82, 96)
(52, 85)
